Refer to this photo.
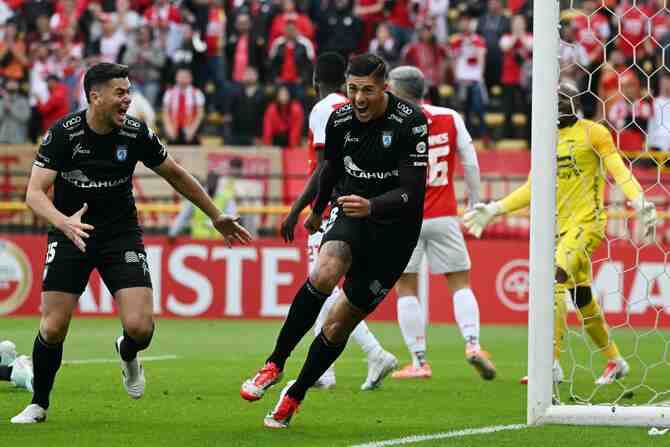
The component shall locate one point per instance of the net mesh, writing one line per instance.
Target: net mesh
(615, 52)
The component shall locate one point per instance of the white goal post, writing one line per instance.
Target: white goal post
(540, 409)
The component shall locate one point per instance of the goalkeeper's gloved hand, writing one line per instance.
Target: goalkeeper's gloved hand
(646, 214)
(479, 216)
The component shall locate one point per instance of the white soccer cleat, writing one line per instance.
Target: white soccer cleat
(32, 414)
(22, 373)
(380, 365)
(133, 374)
(615, 370)
(7, 352)
(327, 380)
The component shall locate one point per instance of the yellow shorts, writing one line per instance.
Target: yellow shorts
(574, 249)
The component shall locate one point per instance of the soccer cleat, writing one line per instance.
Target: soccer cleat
(480, 361)
(380, 365)
(327, 380)
(615, 369)
(133, 374)
(556, 372)
(22, 373)
(253, 389)
(412, 372)
(32, 414)
(7, 352)
(283, 411)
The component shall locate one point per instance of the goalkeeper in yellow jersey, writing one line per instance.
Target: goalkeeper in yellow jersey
(585, 155)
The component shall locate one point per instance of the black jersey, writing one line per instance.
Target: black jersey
(370, 154)
(98, 169)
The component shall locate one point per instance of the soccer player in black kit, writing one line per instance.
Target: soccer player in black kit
(375, 173)
(89, 158)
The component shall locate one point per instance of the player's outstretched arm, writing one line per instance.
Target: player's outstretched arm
(308, 195)
(41, 180)
(481, 214)
(188, 186)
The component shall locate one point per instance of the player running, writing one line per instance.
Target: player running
(377, 167)
(328, 80)
(441, 238)
(583, 147)
(89, 158)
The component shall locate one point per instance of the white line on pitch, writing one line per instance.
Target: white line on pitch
(444, 435)
(150, 358)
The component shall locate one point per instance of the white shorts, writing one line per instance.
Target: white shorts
(442, 240)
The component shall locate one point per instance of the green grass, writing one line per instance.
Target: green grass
(194, 401)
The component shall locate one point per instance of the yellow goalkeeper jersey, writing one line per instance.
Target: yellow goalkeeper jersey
(585, 152)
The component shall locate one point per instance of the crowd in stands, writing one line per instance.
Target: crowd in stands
(241, 69)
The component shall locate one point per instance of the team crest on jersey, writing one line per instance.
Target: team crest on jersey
(387, 138)
(121, 153)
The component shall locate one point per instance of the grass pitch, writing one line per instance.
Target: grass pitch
(193, 400)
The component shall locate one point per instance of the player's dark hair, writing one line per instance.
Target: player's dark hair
(101, 73)
(368, 65)
(330, 68)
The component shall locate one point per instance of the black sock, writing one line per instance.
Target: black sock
(301, 317)
(5, 373)
(47, 358)
(321, 355)
(130, 347)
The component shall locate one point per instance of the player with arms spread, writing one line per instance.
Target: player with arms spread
(377, 167)
(328, 80)
(441, 238)
(89, 158)
(583, 147)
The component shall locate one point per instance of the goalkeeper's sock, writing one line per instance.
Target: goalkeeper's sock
(466, 314)
(596, 326)
(412, 326)
(560, 311)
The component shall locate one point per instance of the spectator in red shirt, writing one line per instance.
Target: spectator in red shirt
(57, 106)
(517, 47)
(629, 116)
(244, 49)
(291, 59)
(402, 25)
(183, 109)
(289, 13)
(371, 13)
(592, 31)
(283, 120)
(633, 24)
(427, 55)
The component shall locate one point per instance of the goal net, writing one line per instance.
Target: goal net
(617, 54)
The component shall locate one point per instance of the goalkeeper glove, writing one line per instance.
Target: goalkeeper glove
(479, 216)
(646, 214)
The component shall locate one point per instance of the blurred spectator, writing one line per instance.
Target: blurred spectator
(283, 120)
(385, 46)
(398, 16)
(215, 39)
(183, 110)
(592, 32)
(428, 55)
(57, 105)
(371, 13)
(468, 51)
(6, 12)
(573, 58)
(14, 114)
(633, 25)
(437, 11)
(339, 29)
(13, 56)
(613, 75)
(40, 70)
(125, 18)
(111, 44)
(658, 130)
(517, 47)
(145, 60)
(165, 18)
(66, 14)
(289, 13)
(491, 26)
(41, 33)
(291, 59)
(191, 53)
(658, 18)
(244, 49)
(629, 115)
(141, 108)
(244, 107)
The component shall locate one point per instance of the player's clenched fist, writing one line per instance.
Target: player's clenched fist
(75, 229)
(354, 206)
(231, 230)
(479, 216)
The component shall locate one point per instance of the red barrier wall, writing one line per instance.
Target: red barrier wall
(194, 279)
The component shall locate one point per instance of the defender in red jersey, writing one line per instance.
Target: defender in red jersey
(441, 238)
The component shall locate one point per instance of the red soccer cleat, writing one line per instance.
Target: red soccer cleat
(253, 389)
(283, 411)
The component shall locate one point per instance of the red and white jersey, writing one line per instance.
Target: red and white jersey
(465, 48)
(318, 119)
(182, 104)
(446, 135)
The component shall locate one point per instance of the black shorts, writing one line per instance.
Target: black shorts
(379, 252)
(121, 262)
